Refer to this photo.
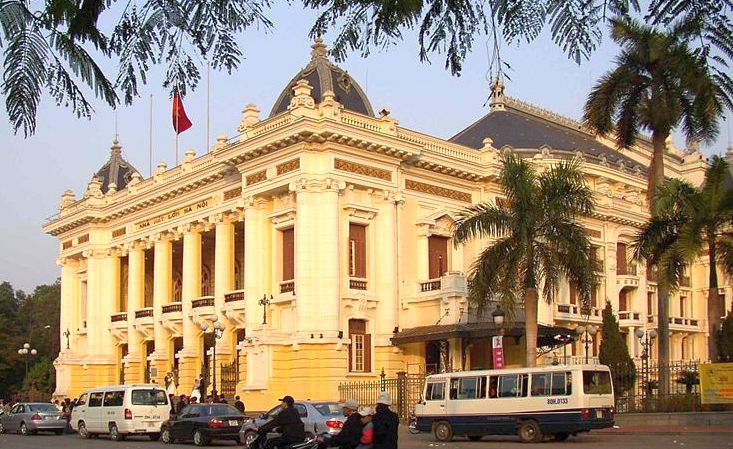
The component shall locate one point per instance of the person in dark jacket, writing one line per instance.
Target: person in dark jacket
(291, 426)
(385, 424)
(238, 404)
(348, 437)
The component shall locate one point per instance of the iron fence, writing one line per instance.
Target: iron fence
(405, 391)
(637, 387)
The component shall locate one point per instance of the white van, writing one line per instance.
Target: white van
(121, 410)
(556, 401)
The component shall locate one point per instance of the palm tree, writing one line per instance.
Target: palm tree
(658, 84)
(687, 221)
(537, 240)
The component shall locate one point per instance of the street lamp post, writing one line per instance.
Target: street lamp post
(498, 316)
(67, 334)
(218, 328)
(646, 339)
(26, 351)
(589, 330)
(264, 302)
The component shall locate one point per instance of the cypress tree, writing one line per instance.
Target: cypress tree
(615, 354)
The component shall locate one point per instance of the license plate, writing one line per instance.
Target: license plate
(599, 414)
(150, 425)
(233, 423)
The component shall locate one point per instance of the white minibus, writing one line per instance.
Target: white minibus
(559, 401)
(121, 410)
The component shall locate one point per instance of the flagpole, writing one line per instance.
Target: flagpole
(150, 139)
(178, 113)
(208, 105)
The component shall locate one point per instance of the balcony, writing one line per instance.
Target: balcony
(203, 308)
(144, 322)
(287, 287)
(627, 276)
(234, 307)
(171, 318)
(357, 284)
(573, 312)
(118, 326)
(677, 323)
(628, 318)
(430, 285)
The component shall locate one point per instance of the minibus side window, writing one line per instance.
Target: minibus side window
(95, 399)
(435, 391)
(114, 398)
(481, 387)
(513, 386)
(82, 400)
(560, 385)
(467, 387)
(541, 384)
(454, 388)
(493, 381)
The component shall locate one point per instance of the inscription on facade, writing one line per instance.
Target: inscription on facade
(162, 218)
(255, 178)
(287, 167)
(418, 186)
(360, 169)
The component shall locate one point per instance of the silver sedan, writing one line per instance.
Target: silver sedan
(318, 417)
(28, 418)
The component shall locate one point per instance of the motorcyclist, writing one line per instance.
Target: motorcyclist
(291, 426)
(348, 437)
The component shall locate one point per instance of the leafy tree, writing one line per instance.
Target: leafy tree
(689, 220)
(538, 240)
(658, 84)
(41, 377)
(726, 338)
(56, 46)
(615, 354)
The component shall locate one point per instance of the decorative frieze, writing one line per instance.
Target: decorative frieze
(232, 194)
(287, 167)
(360, 169)
(67, 244)
(119, 232)
(593, 233)
(256, 178)
(431, 189)
(82, 239)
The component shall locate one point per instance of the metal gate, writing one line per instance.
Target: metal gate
(229, 378)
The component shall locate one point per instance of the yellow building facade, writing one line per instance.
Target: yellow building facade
(320, 238)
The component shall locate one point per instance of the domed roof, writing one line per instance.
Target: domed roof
(116, 170)
(323, 76)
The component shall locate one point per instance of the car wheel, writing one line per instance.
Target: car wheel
(24, 429)
(249, 437)
(165, 436)
(309, 436)
(83, 432)
(561, 436)
(443, 431)
(154, 436)
(529, 432)
(2, 428)
(199, 439)
(114, 433)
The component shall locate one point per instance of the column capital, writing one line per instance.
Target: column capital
(316, 184)
(191, 228)
(255, 202)
(61, 261)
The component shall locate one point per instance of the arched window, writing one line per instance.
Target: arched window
(206, 288)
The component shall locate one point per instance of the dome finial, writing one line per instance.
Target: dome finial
(318, 49)
(116, 147)
(497, 93)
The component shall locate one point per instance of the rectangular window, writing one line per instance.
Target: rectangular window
(288, 267)
(468, 388)
(357, 251)
(650, 303)
(437, 256)
(541, 384)
(512, 386)
(573, 293)
(596, 382)
(435, 391)
(361, 347)
(561, 384)
(151, 396)
(622, 301)
(621, 265)
(95, 399)
(82, 399)
(114, 398)
(683, 300)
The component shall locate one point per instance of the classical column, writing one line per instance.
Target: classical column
(162, 279)
(257, 251)
(69, 319)
(135, 300)
(189, 361)
(103, 292)
(385, 247)
(317, 238)
(223, 276)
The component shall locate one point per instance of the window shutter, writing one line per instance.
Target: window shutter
(288, 254)
(357, 235)
(573, 298)
(621, 258)
(367, 353)
(437, 256)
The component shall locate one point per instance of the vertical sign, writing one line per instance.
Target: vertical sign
(497, 351)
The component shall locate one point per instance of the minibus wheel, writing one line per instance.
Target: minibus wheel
(530, 432)
(443, 431)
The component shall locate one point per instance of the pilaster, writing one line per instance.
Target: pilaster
(189, 357)
(135, 300)
(257, 275)
(224, 276)
(162, 280)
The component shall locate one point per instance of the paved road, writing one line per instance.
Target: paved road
(594, 441)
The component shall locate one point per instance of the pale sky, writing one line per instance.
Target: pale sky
(66, 151)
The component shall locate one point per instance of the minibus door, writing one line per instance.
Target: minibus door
(435, 399)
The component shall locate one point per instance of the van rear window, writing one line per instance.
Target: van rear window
(597, 382)
(149, 396)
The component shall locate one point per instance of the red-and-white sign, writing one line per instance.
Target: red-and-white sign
(497, 351)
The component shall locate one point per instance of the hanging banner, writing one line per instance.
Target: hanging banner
(497, 351)
(716, 383)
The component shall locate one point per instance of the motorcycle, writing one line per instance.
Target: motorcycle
(412, 426)
(261, 443)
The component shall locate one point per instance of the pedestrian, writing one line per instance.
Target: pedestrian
(197, 385)
(288, 420)
(172, 402)
(385, 423)
(238, 404)
(367, 432)
(67, 409)
(349, 435)
(58, 406)
(170, 383)
(182, 402)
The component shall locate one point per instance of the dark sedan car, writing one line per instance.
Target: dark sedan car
(202, 423)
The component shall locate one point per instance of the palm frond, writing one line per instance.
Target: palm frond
(480, 220)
